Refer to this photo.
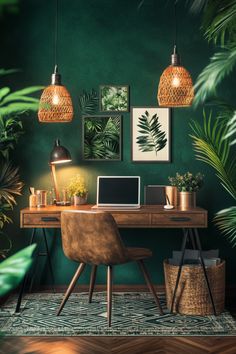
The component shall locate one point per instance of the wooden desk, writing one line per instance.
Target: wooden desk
(149, 216)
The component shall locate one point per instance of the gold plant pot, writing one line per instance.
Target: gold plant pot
(171, 193)
(187, 200)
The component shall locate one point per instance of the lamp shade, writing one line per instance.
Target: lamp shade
(175, 87)
(59, 154)
(55, 105)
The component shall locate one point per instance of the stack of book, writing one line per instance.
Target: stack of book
(192, 257)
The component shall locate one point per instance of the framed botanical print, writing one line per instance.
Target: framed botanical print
(102, 138)
(114, 98)
(151, 134)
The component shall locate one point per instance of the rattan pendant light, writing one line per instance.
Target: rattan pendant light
(55, 104)
(175, 87)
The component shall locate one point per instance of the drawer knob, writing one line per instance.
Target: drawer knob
(49, 218)
(180, 218)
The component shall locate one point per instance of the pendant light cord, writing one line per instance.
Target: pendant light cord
(175, 23)
(56, 32)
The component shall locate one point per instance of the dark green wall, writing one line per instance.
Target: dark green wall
(103, 42)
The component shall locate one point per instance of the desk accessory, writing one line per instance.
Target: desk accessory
(168, 206)
(41, 198)
(154, 195)
(59, 155)
(32, 198)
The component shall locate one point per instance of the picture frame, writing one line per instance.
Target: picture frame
(102, 138)
(151, 135)
(114, 98)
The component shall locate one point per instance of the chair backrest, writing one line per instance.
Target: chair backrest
(92, 237)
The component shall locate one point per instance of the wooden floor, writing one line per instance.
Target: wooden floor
(118, 345)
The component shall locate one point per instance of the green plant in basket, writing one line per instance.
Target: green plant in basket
(188, 182)
(77, 187)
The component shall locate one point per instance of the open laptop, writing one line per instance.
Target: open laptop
(118, 192)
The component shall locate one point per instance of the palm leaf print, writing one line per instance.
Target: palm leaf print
(151, 137)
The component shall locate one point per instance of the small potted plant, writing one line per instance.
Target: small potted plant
(77, 189)
(187, 185)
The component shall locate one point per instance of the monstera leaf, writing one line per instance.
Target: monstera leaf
(151, 137)
(13, 269)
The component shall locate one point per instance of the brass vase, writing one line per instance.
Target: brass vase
(172, 195)
(187, 200)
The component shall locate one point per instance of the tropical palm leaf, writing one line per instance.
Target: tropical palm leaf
(231, 127)
(211, 148)
(88, 102)
(226, 222)
(8, 72)
(221, 64)
(219, 21)
(102, 137)
(10, 185)
(151, 138)
(13, 269)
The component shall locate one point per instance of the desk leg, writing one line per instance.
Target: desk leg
(204, 269)
(49, 259)
(185, 237)
(25, 277)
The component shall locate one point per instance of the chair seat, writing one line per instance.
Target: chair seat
(135, 254)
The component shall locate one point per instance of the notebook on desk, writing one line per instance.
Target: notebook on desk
(118, 192)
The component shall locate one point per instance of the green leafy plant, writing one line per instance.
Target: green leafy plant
(114, 98)
(10, 184)
(13, 269)
(77, 187)
(12, 106)
(88, 102)
(151, 137)
(102, 137)
(217, 152)
(188, 182)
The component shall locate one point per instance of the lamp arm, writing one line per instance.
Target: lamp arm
(54, 179)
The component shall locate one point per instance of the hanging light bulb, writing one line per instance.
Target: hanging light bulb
(175, 88)
(55, 105)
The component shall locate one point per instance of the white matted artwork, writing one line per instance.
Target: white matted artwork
(151, 134)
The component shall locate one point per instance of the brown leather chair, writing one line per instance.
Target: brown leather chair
(93, 238)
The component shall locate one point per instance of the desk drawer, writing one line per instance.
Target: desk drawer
(41, 220)
(179, 220)
(132, 219)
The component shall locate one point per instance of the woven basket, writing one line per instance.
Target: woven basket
(192, 296)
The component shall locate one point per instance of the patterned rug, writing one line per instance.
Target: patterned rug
(134, 314)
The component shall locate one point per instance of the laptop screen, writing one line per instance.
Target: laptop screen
(118, 191)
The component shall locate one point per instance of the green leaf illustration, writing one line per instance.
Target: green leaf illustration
(151, 137)
(88, 102)
(102, 138)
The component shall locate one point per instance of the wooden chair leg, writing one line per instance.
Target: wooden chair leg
(71, 286)
(109, 294)
(149, 284)
(92, 282)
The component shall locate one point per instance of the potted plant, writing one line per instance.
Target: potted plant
(77, 189)
(187, 185)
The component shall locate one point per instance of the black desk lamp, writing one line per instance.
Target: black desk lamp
(59, 155)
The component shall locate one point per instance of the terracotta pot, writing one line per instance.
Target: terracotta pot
(80, 200)
(187, 200)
